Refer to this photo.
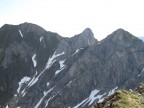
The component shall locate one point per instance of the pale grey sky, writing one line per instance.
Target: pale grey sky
(70, 17)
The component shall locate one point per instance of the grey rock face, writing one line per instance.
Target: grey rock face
(79, 42)
(85, 38)
(40, 69)
(17, 46)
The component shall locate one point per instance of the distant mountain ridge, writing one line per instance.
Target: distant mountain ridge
(41, 69)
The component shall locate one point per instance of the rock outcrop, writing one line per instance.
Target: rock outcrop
(124, 99)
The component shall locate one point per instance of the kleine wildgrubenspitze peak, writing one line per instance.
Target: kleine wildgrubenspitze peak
(41, 69)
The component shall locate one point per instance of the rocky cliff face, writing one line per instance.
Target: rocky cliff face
(41, 69)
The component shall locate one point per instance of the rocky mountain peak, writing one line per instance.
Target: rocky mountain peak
(119, 34)
(87, 33)
(122, 37)
(86, 37)
(29, 27)
(120, 30)
(80, 41)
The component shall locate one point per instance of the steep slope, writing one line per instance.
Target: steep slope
(19, 44)
(124, 99)
(53, 80)
(32, 58)
(55, 72)
(116, 62)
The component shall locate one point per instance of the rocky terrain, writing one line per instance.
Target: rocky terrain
(124, 99)
(41, 69)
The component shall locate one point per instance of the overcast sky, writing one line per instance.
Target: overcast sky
(70, 17)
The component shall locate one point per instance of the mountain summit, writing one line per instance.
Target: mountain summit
(87, 33)
(123, 37)
(41, 69)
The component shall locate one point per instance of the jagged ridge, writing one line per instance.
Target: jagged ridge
(45, 70)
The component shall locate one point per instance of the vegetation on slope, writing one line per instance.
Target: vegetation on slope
(124, 99)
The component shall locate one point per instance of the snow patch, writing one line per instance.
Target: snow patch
(21, 34)
(45, 94)
(69, 83)
(62, 63)
(18, 107)
(51, 60)
(36, 77)
(24, 94)
(47, 102)
(28, 85)
(141, 72)
(34, 61)
(130, 90)
(92, 96)
(62, 66)
(23, 80)
(7, 106)
(112, 91)
(77, 50)
(48, 84)
(90, 99)
(34, 80)
(41, 39)
(80, 103)
(101, 97)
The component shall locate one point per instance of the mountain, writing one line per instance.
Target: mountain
(142, 38)
(124, 99)
(41, 69)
